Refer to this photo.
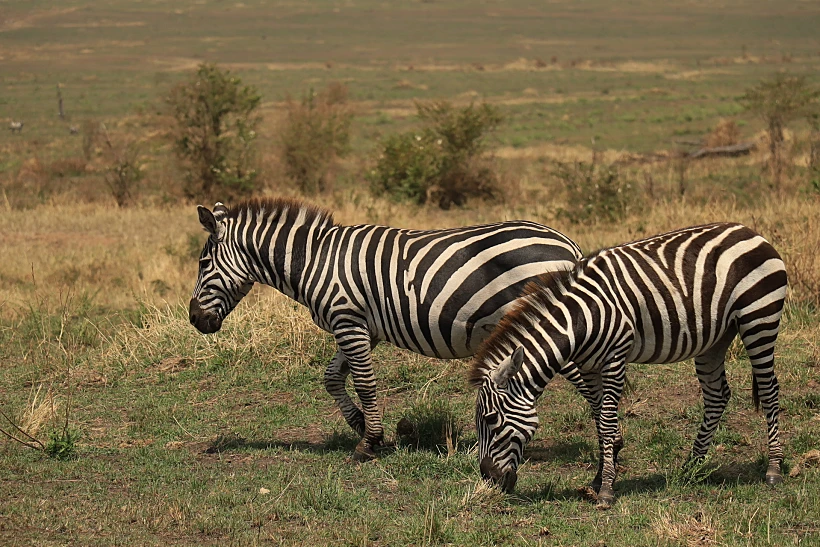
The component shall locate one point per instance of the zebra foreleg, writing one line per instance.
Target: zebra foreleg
(336, 375)
(355, 344)
(590, 386)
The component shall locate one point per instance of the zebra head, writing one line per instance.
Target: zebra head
(223, 276)
(506, 420)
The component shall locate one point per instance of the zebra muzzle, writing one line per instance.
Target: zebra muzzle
(505, 481)
(205, 322)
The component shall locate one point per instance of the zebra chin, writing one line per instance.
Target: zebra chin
(205, 322)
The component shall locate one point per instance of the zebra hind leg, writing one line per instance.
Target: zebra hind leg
(759, 341)
(336, 375)
(711, 371)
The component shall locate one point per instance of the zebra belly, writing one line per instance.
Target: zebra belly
(680, 348)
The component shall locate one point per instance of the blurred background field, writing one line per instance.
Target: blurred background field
(177, 438)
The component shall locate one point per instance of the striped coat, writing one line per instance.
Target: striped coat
(685, 294)
(435, 292)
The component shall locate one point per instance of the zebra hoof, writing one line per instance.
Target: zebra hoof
(773, 476)
(606, 497)
(363, 453)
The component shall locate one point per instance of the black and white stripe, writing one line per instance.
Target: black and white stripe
(681, 295)
(435, 292)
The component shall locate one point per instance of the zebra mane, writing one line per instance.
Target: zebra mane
(534, 300)
(275, 207)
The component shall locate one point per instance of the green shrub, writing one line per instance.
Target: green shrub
(594, 192)
(215, 134)
(442, 161)
(317, 132)
(61, 444)
(431, 425)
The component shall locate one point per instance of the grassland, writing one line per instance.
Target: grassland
(230, 439)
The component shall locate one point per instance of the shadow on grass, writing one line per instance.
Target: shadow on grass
(731, 473)
(550, 492)
(561, 452)
(337, 442)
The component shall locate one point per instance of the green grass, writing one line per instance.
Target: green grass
(187, 439)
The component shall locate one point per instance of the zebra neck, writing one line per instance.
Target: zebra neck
(285, 253)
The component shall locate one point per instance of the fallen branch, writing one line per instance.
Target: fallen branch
(732, 151)
(32, 443)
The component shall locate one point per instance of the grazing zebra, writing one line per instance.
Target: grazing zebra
(16, 127)
(436, 292)
(663, 299)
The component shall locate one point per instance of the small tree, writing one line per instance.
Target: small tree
(595, 192)
(123, 175)
(216, 130)
(813, 120)
(778, 101)
(441, 162)
(317, 132)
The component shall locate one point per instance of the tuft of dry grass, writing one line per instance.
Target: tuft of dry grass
(725, 133)
(267, 320)
(41, 409)
(693, 531)
(481, 495)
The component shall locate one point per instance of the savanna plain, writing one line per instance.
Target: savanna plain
(141, 431)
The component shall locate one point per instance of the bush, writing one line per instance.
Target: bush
(317, 132)
(216, 130)
(442, 162)
(594, 192)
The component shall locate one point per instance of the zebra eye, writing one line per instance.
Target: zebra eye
(491, 418)
(205, 261)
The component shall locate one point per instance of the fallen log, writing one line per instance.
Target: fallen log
(732, 151)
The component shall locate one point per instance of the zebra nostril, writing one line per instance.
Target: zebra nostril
(489, 470)
(194, 311)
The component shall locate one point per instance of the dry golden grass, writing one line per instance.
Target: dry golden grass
(268, 319)
(120, 257)
(725, 133)
(41, 410)
(691, 531)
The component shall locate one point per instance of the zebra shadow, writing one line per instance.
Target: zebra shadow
(557, 490)
(561, 452)
(336, 442)
(725, 475)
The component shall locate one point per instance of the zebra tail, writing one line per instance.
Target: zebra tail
(755, 394)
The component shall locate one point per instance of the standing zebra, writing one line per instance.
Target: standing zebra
(664, 299)
(437, 292)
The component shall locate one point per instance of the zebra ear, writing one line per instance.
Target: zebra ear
(220, 211)
(209, 222)
(508, 368)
